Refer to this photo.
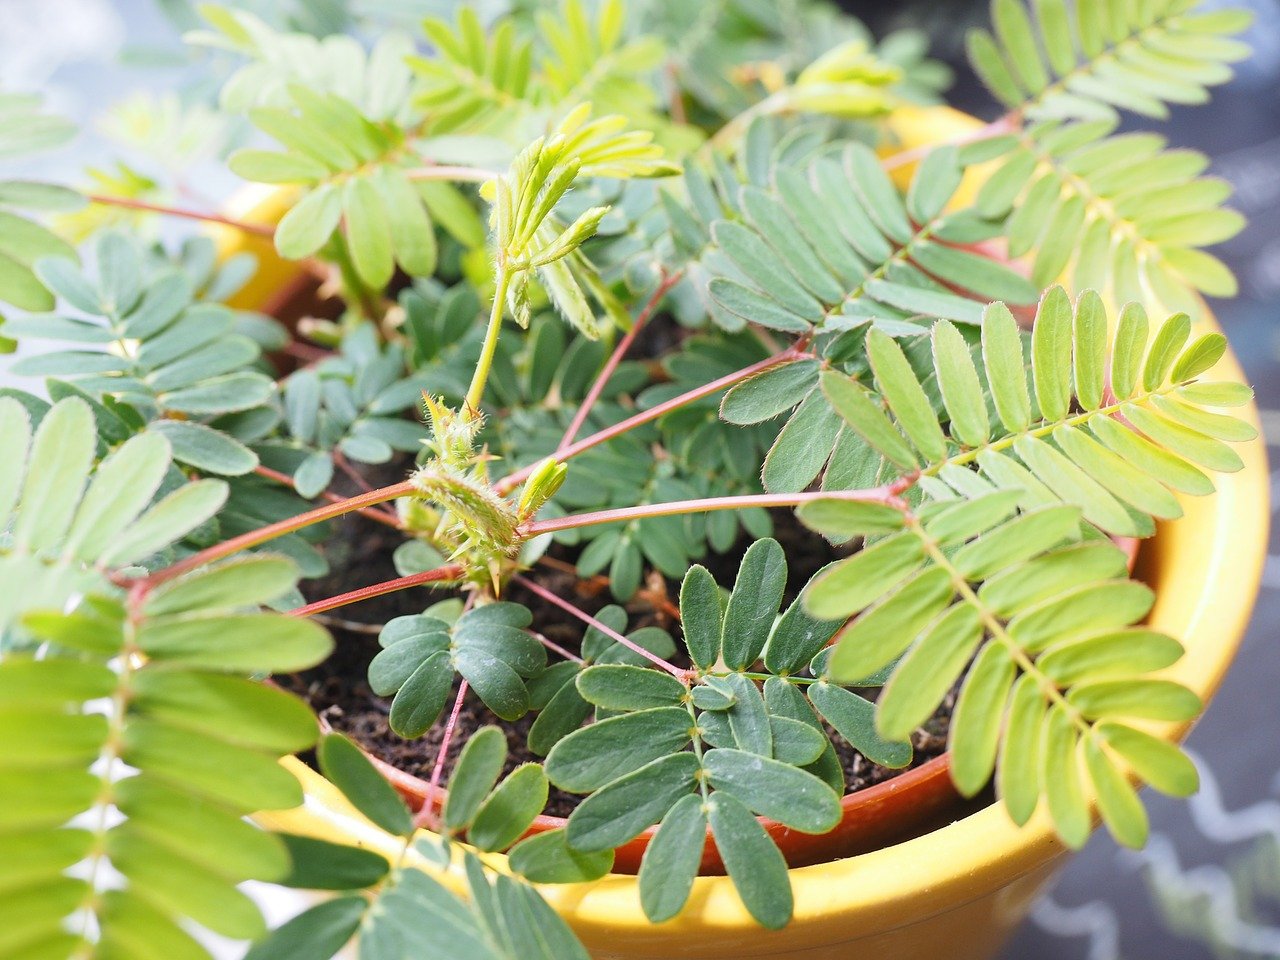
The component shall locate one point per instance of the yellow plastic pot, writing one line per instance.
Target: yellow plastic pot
(956, 892)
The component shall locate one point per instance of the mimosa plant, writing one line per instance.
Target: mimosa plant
(850, 330)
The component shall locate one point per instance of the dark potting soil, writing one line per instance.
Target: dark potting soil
(360, 551)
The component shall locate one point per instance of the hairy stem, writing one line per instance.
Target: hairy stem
(887, 494)
(381, 516)
(475, 392)
(584, 409)
(608, 631)
(507, 483)
(254, 538)
(451, 571)
(1009, 123)
(256, 229)
(556, 648)
(427, 815)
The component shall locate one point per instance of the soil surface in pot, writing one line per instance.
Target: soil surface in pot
(360, 552)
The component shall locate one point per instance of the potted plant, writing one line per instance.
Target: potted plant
(737, 438)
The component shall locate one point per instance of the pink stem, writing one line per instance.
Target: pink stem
(555, 647)
(265, 534)
(1006, 124)
(353, 475)
(390, 519)
(887, 494)
(580, 417)
(450, 571)
(442, 172)
(129, 203)
(427, 814)
(608, 631)
(507, 483)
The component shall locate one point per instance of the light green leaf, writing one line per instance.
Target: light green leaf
(548, 858)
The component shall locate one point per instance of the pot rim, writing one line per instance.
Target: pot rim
(1205, 569)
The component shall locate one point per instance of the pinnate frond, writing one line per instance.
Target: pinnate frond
(834, 245)
(376, 81)
(1039, 623)
(142, 341)
(1111, 426)
(186, 745)
(357, 174)
(1053, 59)
(70, 522)
(505, 918)
(1119, 214)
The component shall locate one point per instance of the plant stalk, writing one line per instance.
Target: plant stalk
(389, 519)
(604, 628)
(254, 538)
(475, 393)
(584, 408)
(256, 229)
(887, 494)
(445, 172)
(427, 814)
(507, 483)
(452, 571)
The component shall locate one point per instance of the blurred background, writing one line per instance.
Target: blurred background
(1208, 886)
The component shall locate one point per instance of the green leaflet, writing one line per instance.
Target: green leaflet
(509, 810)
(974, 736)
(352, 773)
(671, 859)
(625, 687)
(774, 789)
(754, 864)
(625, 806)
(702, 616)
(854, 719)
(753, 604)
(548, 858)
(321, 865)
(595, 755)
(928, 670)
(477, 771)
(316, 934)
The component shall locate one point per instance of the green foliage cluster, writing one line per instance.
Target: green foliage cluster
(730, 297)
